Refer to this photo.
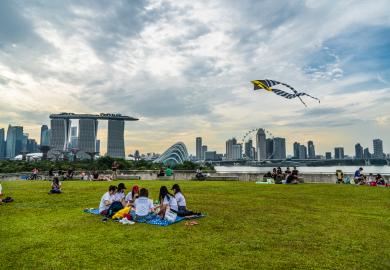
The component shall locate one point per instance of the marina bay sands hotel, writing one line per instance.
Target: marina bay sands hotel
(88, 126)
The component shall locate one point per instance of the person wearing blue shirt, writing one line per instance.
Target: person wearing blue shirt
(358, 177)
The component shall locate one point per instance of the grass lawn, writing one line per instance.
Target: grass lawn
(248, 226)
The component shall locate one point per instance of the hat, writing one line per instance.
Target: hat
(175, 186)
(121, 186)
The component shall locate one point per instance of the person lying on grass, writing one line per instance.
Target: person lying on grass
(167, 201)
(120, 194)
(181, 202)
(107, 199)
(143, 207)
(132, 195)
(55, 186)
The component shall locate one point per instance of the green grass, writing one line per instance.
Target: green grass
(248, 226)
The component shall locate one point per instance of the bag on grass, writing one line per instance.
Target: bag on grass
(170, 216)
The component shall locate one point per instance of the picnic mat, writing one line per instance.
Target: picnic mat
(155, 221)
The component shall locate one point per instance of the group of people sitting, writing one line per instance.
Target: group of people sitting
(136, 205)
(287, 177)
(360, 178)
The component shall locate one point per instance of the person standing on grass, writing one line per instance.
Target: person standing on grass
(115, 167)
(143, 207)
(55, 186)
(107, 199)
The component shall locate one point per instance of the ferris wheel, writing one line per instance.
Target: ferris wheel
(250, 132)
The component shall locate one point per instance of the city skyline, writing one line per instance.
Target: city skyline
(184, 68)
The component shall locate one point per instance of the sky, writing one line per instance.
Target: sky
(184, 68)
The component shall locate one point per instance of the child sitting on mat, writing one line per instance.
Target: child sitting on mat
(167, 201)
(143, 207)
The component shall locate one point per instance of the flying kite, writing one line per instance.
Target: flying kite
(267, 84)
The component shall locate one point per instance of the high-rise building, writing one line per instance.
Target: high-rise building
(269, 148)
(87, 137)
(32, 146)
(116, 142)
(237, 151)
(59, 134)
(378, 149)
(248, 149)
(366, 153)
(74, 138)
(296, 147)
(45, 137)
(339, 153)
(98, 146)
(15, 140)
(44, 129)
(204, 149)
(302, 152)
(198, 148)
(2, 143)
(358, 151)
(261, 147)
(279, 148)
(311, 150)
(229, 149)
(328, 155)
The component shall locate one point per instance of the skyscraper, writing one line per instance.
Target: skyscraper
(198, 148)
(237, 152)
(296, 147)
(358, 151)
(328, 155)
(116, 142)
(269, 146)
(302, 152)
(32, 146)
(44, 130)
(229, 149)
(87, 137)
(204, 149)
(98, 146)
(74, 138)
(2, 143)
(366, 153)
(261, 145)
(378, 149)
(14, 141)
(339, 153)
(59, 134)
(311, 150)
(248, 149)
(279, 148)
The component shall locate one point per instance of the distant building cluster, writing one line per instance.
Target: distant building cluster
(15, 142)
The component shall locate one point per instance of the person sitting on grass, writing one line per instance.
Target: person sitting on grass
(339, 176)
(106, 200)
(55, 186)
(380, 180)
(359, 177)
(120, 194)
(167, 201)
(292, 179)
(181, 203)
(95, 175)
(143, 207)
(132, 195)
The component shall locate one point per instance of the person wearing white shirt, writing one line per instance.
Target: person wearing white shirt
(107, 200)
(167, 202)
(143, 207)
(181, 203)
(120, 194)
(132, 195)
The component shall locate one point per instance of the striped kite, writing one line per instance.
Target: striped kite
(267, 84)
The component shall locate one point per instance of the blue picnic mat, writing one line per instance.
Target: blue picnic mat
(155, 221)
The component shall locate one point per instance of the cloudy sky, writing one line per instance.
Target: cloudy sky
(184, 68)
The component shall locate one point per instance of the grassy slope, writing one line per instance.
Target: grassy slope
(248, 226)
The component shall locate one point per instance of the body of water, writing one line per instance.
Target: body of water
(385, 170)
